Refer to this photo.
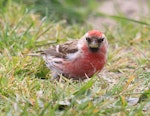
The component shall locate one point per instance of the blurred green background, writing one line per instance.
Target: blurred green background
(69, 10)
(121, 88)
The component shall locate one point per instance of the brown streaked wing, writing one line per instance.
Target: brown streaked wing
(63, 49)
(52, 52)
(68, 47)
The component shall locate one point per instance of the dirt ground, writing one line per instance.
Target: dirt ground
(134, 9)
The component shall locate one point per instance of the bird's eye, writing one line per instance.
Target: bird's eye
(100, 40)
(88, 39)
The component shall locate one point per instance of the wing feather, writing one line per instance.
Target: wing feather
(61, 51)
(68, 47)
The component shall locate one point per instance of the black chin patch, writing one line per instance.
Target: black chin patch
(94, 49)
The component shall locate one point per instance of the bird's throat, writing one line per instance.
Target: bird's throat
(94, 49)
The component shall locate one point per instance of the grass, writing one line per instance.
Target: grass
(24, 92)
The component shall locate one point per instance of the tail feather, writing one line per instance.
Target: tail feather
(37, 53)
(34, 54)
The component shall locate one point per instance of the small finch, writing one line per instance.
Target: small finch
(78, 59)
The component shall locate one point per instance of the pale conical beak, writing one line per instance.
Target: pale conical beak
(93, 44)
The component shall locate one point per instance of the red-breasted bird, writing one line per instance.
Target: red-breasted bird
(78, 59)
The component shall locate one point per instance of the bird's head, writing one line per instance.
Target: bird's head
(94, 39)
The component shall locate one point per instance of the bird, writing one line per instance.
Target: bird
(77, 59)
